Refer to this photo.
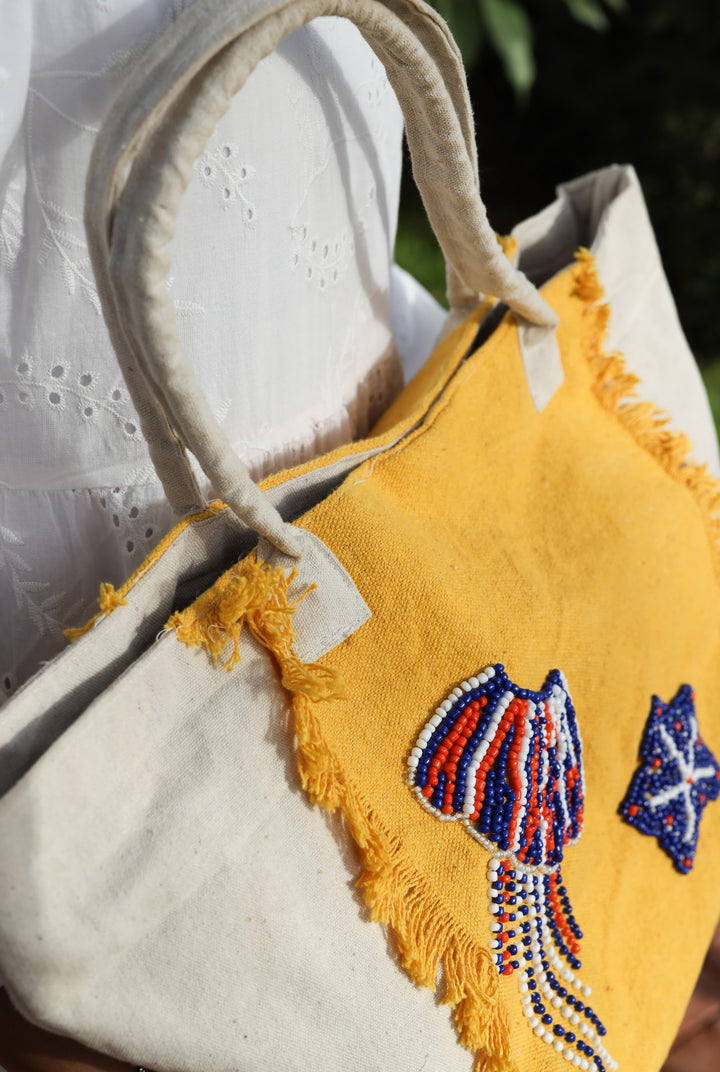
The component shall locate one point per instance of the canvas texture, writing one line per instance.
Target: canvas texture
(167, 893)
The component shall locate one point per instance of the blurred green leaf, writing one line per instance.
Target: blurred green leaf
(589, 12)
(463, 18)
(711, 376)
(511, 35)
(618, 6)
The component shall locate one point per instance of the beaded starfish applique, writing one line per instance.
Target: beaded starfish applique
(677, 776)
(507, 763)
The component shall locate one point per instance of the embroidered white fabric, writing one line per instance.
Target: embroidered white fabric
(281, 282)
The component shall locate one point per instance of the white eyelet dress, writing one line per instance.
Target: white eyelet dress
(282, 282)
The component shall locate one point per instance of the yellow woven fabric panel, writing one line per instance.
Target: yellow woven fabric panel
(574, 539)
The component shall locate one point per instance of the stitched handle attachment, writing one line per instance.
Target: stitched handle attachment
(143, 161)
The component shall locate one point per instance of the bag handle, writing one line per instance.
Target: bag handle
(143, 161)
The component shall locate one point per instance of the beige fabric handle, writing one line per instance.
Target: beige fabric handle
(160, 125)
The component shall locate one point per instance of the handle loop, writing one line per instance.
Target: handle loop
(143, 161)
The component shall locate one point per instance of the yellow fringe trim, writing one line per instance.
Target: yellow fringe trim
(397, 895)
(614, 386)
(254, 594)
(108, 600)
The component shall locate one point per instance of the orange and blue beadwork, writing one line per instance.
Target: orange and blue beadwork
(507, 763)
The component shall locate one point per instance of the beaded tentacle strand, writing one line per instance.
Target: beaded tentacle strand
(507, 763)
(677, 776)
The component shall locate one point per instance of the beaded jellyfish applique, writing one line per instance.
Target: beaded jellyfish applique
(677, 776)
(507, 763)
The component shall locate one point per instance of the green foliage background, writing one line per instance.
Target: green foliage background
(560, 87)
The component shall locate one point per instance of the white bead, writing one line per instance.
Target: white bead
(533, 1022)
(568, 976)
(457, 693)
(547, 1037)
(577, 1059)
(525, 998)
(446, 705)
(524, 988)
(496, 927)
(557, 1044)
(413, 761)
(575, 1019)
(493, 864)
(473, 682)
(424, 737)
(483, 678)
(586, 991)
(556, 1002)
(495, 944)
(490, 671)
(528, 1010)
(568, 1055)
(537, 959)
(416, 752)
(566, 1011)
(539, 1030)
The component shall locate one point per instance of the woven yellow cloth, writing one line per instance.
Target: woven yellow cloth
(574, 538)
(579, 538)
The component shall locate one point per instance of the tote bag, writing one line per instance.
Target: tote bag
(514, 615)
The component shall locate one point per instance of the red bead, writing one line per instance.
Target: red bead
(657, 762)
(633, 809)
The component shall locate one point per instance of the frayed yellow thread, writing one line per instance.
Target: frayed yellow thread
(254, 594)
(215, 507)
(108, 601)
(586, 281)
(398, 895)
(614, 386)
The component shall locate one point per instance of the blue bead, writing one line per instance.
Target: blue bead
(570, 1036)
(559, 1030)
(547, 1018)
